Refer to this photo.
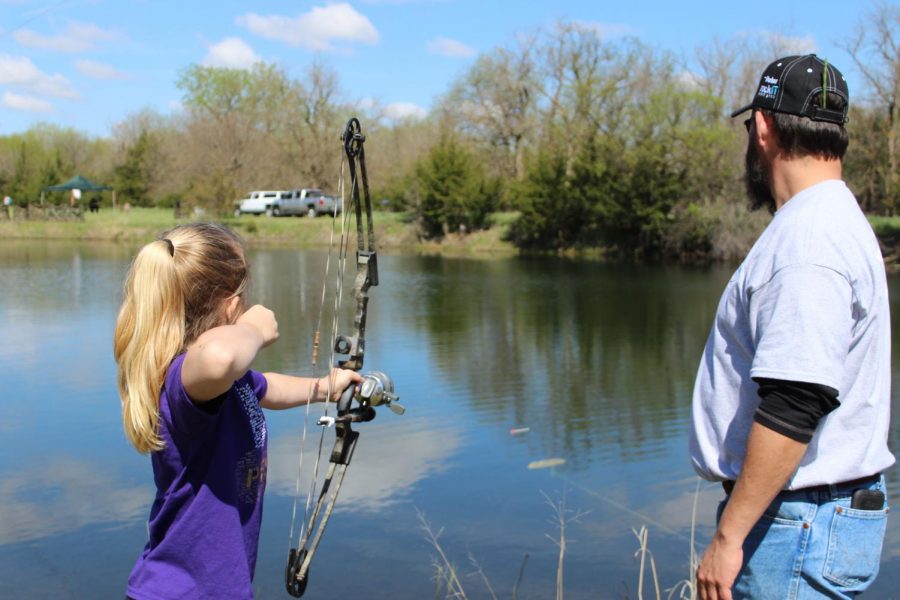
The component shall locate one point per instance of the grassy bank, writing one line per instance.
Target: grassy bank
(392, 230)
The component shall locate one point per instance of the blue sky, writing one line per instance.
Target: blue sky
(88, 64)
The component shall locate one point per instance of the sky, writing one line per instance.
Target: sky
(89, 64)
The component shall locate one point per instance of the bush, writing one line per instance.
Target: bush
(451, 190)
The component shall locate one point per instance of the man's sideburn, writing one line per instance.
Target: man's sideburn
(757, 181)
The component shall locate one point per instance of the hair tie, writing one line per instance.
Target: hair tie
(170, 245)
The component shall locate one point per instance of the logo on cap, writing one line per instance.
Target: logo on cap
(768, 91)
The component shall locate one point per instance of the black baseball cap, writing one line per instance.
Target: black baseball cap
(789, 84)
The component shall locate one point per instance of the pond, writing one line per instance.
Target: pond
(500, 363)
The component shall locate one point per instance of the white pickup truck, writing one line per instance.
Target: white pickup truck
(258, 203)
(278, 203)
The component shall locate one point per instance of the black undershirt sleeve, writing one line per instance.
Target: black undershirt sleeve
(793, 408)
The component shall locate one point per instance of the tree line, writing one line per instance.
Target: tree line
(593, 143)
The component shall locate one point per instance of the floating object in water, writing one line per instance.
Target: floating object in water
(519, 430)
(546, 463)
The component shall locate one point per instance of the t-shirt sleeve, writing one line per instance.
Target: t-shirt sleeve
(187, 417)
(190, 417)
(802, 324)
(259, 383)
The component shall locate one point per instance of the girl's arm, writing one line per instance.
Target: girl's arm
(287, 391)
(223, 354)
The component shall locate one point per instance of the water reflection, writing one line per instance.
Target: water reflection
(598, 361)
(64, 494)
(589, 355)
(390, 458)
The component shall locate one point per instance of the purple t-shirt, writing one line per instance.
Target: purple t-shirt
(210, 479)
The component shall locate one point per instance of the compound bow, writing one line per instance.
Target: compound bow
(355, 404)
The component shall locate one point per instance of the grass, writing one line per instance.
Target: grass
(885, 226)
(139, 225)
(449, 582)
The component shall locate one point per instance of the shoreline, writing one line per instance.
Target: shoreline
(394, 233)
(141, 225)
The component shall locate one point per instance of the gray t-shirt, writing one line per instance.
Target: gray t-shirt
(809, 303)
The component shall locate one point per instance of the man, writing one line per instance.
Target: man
(792, 399)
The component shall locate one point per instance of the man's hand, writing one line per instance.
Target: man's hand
(769, 462)
(718, 569)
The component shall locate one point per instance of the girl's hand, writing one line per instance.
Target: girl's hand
(263, 320)
(341, 379)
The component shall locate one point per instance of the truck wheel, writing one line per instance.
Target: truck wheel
(311, 213)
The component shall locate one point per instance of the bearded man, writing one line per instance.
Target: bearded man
(791, 404)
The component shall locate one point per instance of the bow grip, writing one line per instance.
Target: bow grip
(343, 404)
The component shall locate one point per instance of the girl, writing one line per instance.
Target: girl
(184, 344)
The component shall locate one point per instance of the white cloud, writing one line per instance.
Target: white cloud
(98, 70)
(20, 72)
(367, 103)
(404, 110)
(232, 53)
(25, 103)
(788, 44)
(689, 80)
(449, 47)
(779, 44)
(606, 30)
(316, 29)
(78, 37)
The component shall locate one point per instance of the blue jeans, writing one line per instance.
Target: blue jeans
(812, 545)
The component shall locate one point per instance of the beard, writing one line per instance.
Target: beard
(757, 181)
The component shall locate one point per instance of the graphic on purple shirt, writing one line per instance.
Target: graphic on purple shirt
(210, 479)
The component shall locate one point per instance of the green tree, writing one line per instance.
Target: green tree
(133, 176)
(453, 192)
(551, 216)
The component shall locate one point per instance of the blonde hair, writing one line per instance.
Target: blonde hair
(175, 290)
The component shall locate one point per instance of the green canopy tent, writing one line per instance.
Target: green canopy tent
(79, 183)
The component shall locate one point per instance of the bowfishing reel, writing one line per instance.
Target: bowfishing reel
(376, 389)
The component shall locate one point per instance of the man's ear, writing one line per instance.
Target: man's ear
(765, 131)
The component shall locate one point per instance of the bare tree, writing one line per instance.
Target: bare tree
(875, 49)
(495, 101)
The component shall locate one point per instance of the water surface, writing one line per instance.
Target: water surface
(597, 361)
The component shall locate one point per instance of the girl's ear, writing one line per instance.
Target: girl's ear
(233, 308)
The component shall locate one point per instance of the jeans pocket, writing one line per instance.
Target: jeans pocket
(854, 547)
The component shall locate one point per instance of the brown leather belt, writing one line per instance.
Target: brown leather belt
(728, 485)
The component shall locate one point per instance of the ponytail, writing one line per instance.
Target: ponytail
(149, 334)
(175, 290)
